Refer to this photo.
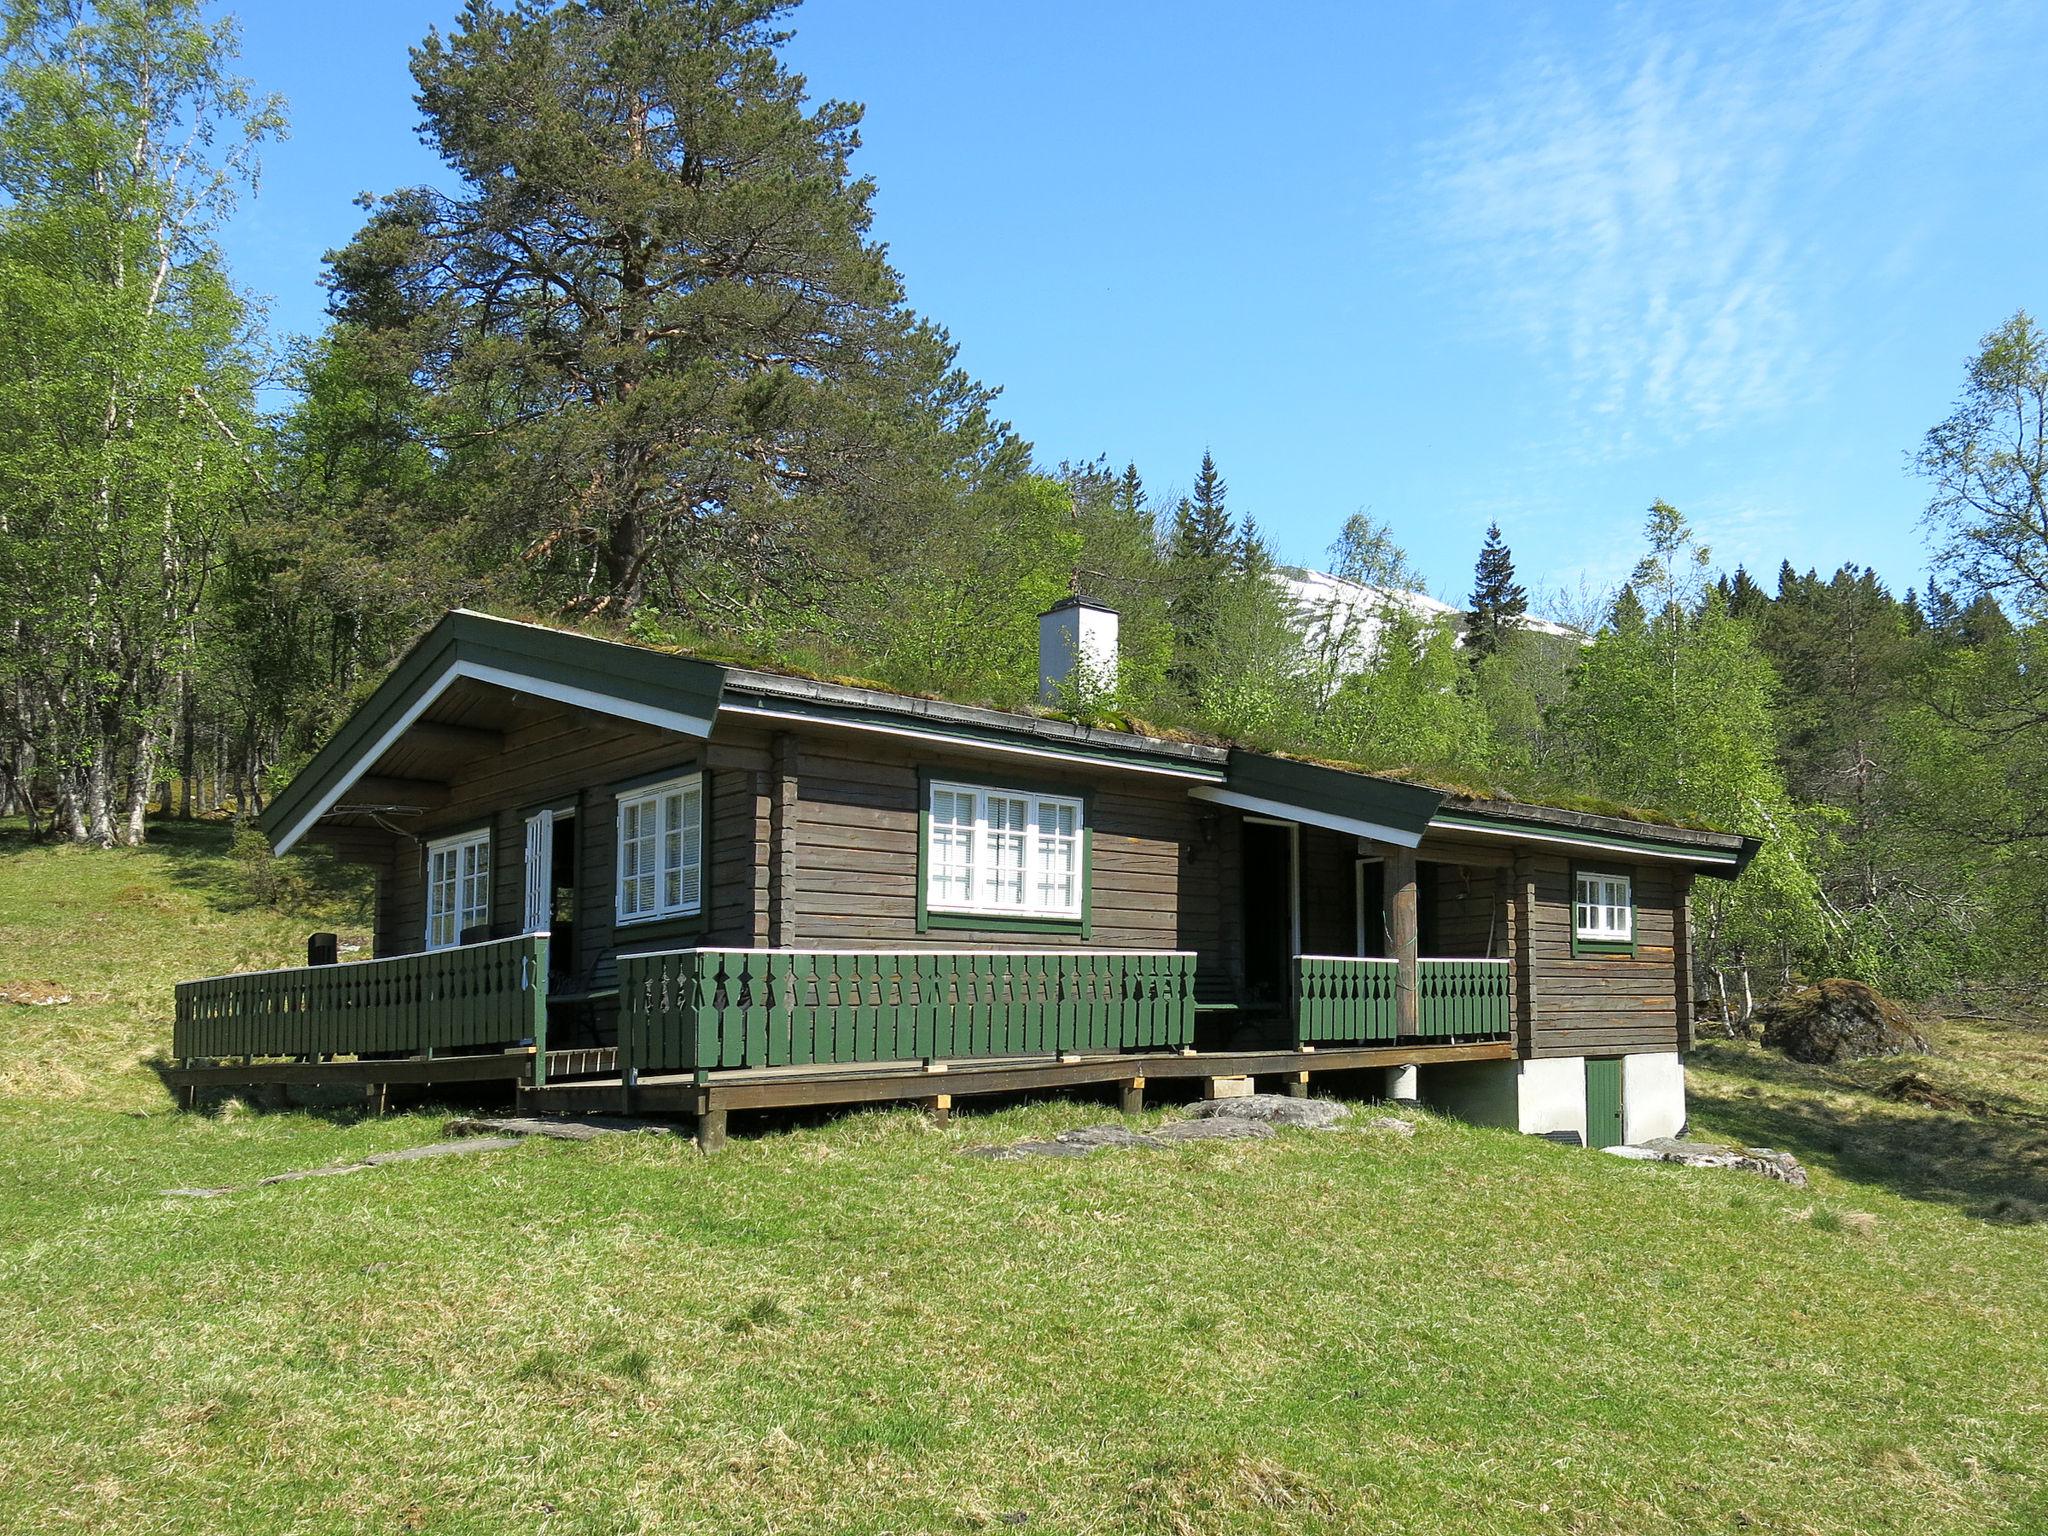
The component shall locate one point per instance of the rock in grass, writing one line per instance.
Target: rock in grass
(1393, 1125)
(1272, 1109)
(1769, 1163)
(1835, 1021)
(1112, 1135)
(1213, 1129)
(1016, 1151)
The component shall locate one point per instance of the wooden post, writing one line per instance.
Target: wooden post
(940, 1107)
(1681, 950)
(1226, 1087)
(711, 1127)
(1406, 934)
(380, 1099)
(1130, 1096)
(782, 842)
(537, 996)
(1522, 951)
(1297, 1085)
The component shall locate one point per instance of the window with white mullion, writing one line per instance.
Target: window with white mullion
(1002, 853)
(1605, 908)
(661, 850)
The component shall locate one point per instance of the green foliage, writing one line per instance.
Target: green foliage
(1988, 465)
(1677, 710)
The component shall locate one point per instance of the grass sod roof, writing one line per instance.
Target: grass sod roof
(836, 693)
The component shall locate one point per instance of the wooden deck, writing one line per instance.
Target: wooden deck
(709, 1097)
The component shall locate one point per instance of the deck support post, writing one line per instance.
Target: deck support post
(380, 1099)
(711, 1128)
(1297, 1085)
(1226, 1087)
(1130, 1096)
(939, 1107)
(1404, 1084)
(1404, 930)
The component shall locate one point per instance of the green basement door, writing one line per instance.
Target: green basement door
(1603, 1101)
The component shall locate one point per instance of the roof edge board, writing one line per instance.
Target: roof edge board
(1129, 760)
(1330, 821)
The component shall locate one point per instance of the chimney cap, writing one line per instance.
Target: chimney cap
(1077, 600)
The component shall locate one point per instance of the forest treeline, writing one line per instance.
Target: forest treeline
(636, 362)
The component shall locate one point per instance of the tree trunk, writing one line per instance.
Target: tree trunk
(187, 755)
(99, 807)
(138, 786)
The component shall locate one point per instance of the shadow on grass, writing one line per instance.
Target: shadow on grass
(1993, 1167)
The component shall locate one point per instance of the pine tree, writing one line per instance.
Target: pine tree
(1626, 617)
(1202, 527)
(1496, 601)
(1129, 496)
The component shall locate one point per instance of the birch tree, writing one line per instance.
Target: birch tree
(125, 358)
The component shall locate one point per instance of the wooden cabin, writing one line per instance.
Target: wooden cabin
(629, 878)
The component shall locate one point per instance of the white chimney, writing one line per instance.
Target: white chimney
(1076, 644)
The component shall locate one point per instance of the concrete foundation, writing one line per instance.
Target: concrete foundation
(1547, 1097)
(1652, 1095)
(1544, 1097)
(1404, 1084)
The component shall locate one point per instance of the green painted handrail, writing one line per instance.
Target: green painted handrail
(409, 1005)
(1342, 999)
(702, 1010)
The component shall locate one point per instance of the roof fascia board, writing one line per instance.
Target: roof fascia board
(1346, 797)
(840, 718)
(1400, 837)
(647, 687)
(1711, 859)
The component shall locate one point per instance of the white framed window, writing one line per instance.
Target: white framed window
(661, 850)
(1605, 908)
(1002, 852)
(458, 887)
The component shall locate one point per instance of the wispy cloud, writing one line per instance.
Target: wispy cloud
(1646, 214)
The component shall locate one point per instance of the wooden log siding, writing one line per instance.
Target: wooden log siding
(1599, 1005)
(1342, 999)
(1158, 878)
(702, 1010)
(477, 995)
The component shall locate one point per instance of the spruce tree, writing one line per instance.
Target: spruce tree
(1201, 523)
(1497, 599)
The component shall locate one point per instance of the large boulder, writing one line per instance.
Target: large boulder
(1835, 1021)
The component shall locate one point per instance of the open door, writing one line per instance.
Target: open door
(1267, 902)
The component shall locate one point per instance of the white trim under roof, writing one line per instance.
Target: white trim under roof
(973, 744)
(1308, 818)
(1618, 844)
(518, 682)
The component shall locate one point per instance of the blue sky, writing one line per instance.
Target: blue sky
(1448, 263)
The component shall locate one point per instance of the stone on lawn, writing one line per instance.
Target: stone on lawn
(1214, 1129)
(1112, 1135)
(1272, 1109)
(1766, 1161)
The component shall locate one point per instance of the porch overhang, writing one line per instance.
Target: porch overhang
(1714, 855)
(1361, 805)
(648, 687)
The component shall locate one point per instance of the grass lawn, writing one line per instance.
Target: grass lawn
(844, 1326)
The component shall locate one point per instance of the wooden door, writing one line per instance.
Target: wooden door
(1603, 1101)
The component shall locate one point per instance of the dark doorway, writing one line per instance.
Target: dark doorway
(1268, 906)
(562, 955)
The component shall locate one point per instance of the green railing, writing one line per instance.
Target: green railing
(1345, 999)
(1339, 999)
(1465, 999)
(409, 1005)
(702, 1010)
